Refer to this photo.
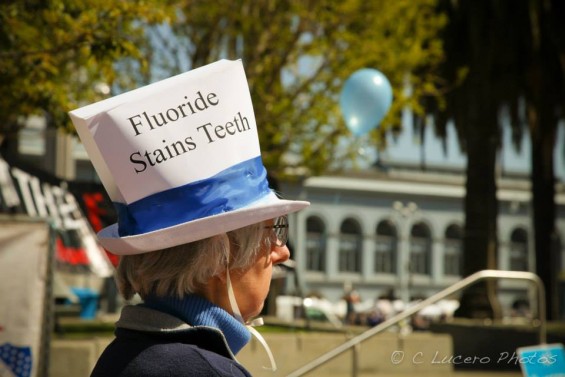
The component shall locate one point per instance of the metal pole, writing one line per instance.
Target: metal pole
(355, 359)
(469, 280)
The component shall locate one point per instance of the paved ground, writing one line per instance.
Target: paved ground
(65, 358)
(452, 374)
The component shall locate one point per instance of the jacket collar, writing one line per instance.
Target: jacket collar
(156, 323)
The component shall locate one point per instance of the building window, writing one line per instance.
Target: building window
(386, 247)
(519, 250)
(315, 244)
(32, 137)
(453, 260)
(350, 246)
(420, 249)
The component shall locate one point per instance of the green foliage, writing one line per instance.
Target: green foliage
(297, 55)
(54, 53)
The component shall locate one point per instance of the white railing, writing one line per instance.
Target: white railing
(353, 343)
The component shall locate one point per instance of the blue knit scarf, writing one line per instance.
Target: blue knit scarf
(197, 311)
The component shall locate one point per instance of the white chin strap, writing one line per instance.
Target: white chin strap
(251, 324)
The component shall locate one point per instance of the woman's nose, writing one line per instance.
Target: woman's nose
(280, 254)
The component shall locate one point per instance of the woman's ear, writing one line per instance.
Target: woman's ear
(222, 276)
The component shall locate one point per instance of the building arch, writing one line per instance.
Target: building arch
(453, 250)
(518, 250)
(316, 243)
(386, 247)
(420, 249)
(350, 246)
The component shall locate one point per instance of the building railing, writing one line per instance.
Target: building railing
(354, 343)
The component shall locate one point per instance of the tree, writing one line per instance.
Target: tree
(473, 61)
(297, 55)
(542, 86)
(54, 53)
(498, 55)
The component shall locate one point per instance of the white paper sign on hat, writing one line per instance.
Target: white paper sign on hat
(180, 159)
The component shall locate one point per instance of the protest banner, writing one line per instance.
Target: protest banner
(26, 276)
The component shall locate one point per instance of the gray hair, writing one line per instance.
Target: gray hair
(182, 269)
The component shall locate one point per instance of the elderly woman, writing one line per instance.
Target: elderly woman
(187, 312)
(198, 231)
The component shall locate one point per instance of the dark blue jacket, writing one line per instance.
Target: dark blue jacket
(151, 343)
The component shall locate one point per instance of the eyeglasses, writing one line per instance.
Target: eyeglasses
(280, 228)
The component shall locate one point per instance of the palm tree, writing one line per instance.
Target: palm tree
(543, 88)
(500, 54)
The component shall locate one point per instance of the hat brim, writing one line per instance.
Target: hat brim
(197, 229)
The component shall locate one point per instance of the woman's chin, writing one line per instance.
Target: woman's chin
(253, 313)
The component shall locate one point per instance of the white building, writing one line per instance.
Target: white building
(401, 232)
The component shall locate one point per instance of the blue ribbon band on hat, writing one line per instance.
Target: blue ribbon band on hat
(230, 189)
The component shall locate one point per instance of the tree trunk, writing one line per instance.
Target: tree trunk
(480, 242)
(481, 207)
(543, 134)
(545, 96)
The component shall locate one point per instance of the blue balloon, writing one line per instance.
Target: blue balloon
(365, 99)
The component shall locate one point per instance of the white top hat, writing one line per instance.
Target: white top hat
(180, 159)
